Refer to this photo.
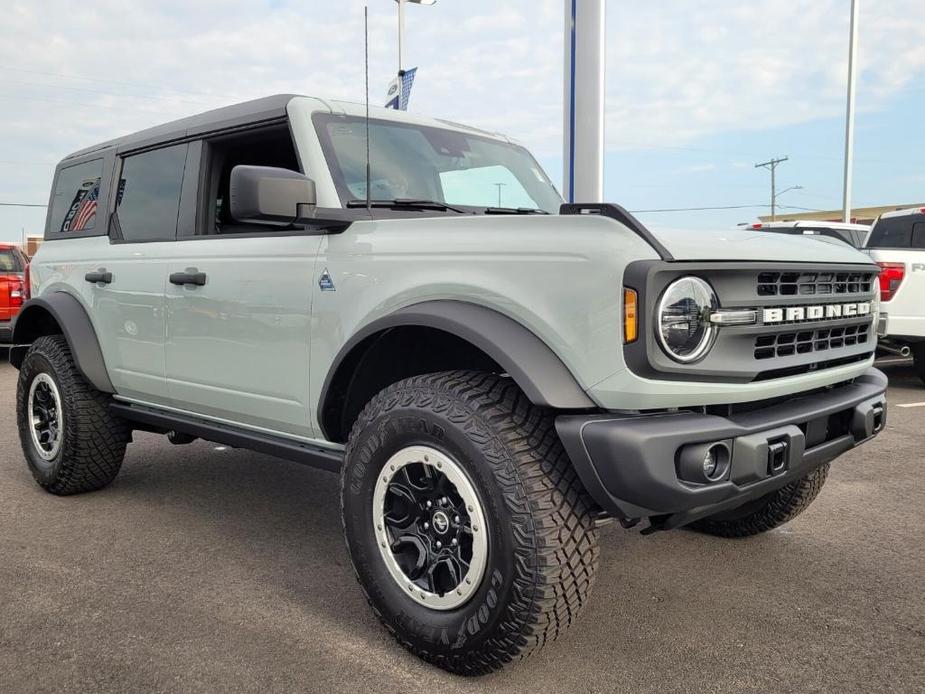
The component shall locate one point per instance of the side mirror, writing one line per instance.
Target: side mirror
(269, 195)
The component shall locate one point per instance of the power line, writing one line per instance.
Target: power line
(722, 207)
(97, 79)
(21, 204)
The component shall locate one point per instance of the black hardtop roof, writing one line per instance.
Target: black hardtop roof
(267, 108)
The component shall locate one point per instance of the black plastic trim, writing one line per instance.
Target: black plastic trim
(627, 462)
(536, 369)
(230, 435)
(78, 330)
(621, 215)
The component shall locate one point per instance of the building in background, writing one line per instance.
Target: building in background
(859, 215)
(30, 244)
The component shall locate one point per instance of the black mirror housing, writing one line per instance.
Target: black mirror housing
(269, 195)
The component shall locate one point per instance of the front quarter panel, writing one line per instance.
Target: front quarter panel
(560, 277)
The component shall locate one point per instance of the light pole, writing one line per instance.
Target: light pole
(771, 165)
(785, 190)
(849, 115)
(583, 141)
(401, 31)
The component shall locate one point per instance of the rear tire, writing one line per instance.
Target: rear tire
(542, 545)
(918, 357)
(71, 441)
(768, 512)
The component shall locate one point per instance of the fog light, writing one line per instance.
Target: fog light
(704, 463)
(709, 464)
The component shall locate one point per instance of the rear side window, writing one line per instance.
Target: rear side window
(899, 232)
(149, 194)
(8, 262)
(77, 191)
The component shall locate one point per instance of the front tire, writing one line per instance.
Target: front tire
(768, 512)
(71, 441)
(491, 466)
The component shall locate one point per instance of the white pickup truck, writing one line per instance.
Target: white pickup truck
(897, 244)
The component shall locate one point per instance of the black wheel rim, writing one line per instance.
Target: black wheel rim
(430, 527)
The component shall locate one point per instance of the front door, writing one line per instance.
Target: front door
(238, 326)
(239, 299)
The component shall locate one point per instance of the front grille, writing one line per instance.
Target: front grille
(771, 374)
(807, 341)
(814, 283)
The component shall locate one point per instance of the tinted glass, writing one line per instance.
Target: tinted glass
(899, 232)
(73, 208)
(149, 194)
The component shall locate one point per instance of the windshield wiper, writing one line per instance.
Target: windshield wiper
(407, 203)
(514, 210)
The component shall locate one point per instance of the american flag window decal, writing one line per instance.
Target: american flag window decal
(81, 216)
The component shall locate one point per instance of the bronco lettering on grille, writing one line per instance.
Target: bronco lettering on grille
(794, 314)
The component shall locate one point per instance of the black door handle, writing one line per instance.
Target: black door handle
(100, 276)
(191, 276)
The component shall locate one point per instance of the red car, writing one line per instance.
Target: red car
(13, 267)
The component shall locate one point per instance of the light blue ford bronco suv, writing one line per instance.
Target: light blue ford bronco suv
(408, 302)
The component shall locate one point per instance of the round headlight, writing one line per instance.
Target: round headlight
(683, 326)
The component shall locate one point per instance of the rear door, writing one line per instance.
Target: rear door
(129, 301)
(238, 339)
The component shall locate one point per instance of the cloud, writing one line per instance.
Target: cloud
(676, 70)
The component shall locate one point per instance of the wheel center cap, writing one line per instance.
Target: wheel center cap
(441, 522)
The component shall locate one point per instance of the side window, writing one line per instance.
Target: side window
(8, 261)
(918, 235)
(148, 199)
(264, 147)
(77, 190)
(491, 186)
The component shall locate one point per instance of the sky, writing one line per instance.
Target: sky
(697, 92)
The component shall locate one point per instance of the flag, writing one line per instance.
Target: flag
(399, 92)
(82, 214)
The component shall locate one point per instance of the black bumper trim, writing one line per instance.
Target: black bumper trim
(629, 462)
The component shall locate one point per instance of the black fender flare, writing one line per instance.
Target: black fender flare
(534, 367)
(71, 316)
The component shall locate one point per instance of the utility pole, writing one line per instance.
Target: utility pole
(771, 165)
(849, 115)
(500, 185)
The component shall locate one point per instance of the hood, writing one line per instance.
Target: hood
(748, 245)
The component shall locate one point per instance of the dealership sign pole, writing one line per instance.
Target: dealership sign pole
(583, 147)
(849, 116)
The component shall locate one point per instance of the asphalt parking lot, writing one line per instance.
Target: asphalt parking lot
(217, 570)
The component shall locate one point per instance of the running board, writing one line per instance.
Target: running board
(230, 435)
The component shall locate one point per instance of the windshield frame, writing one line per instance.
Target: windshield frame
(345, 196)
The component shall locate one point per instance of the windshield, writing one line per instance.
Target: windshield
(424, 163)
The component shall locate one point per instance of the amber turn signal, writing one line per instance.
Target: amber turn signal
(630, 332)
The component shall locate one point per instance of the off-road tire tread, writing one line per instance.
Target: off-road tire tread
(780, 507)
(94, 439)
(554, 518)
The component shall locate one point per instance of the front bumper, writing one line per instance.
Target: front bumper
(634, 465)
